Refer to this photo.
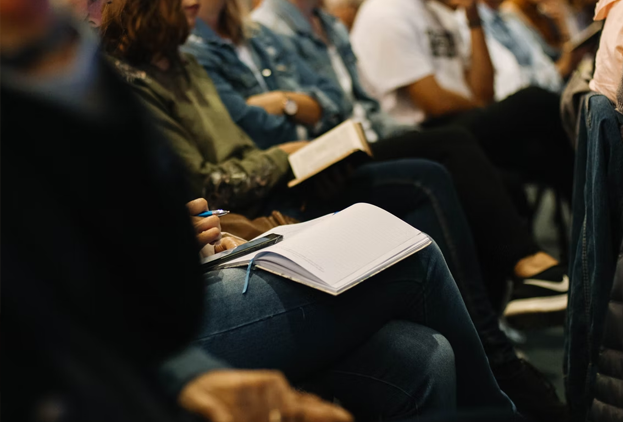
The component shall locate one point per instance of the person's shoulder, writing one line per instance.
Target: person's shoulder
(191, 64)
(204, 52)
(271, 20)
(390, 12)
(128, 73)
(139, 80)
(258, 30)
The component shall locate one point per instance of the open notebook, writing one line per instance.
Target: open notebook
(338, 251)
(340, 142)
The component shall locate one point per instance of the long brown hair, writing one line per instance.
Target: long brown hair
(233, 21)
(141, 31)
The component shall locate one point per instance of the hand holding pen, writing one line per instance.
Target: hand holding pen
(218, 213)
(207, 223)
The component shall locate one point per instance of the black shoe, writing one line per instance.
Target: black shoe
(533, 394)
(543, 293)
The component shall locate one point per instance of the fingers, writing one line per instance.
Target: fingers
(255, 396)
(210, 408)
(208, 229)
(314, 409)
(206, 223)
(228, 243)
(197, 206)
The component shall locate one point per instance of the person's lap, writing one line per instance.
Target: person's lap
(522, 133)
(283, 325)
(421, 193)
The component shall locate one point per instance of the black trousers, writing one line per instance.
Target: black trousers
(500, 234)
(523, 133)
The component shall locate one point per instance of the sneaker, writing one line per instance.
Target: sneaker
(543, 293)
(533, 394)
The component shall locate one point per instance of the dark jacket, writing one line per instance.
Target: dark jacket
(608, 402)
(596, 235)
(100, 275)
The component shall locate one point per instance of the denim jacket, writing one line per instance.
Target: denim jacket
(596, 233)
(284, 18)
(281, 69)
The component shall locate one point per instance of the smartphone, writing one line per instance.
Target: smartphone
(242, 250)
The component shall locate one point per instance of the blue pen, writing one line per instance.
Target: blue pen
(218, 213)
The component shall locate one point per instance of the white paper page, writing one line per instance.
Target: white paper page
(287, 231)
(325, 149)
(421, 242)
(352, 241)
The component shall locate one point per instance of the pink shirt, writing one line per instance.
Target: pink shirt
(609, 60)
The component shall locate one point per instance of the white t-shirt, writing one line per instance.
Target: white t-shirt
(346, 82)
(399, 42)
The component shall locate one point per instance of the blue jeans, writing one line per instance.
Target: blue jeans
(400, 344)
(597, 230)
(421, 192)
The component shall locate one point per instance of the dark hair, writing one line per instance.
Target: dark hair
(139, 31)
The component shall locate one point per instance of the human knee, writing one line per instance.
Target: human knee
(428, 366)
(427, 173)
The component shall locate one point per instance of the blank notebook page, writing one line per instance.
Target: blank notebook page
(349, 243)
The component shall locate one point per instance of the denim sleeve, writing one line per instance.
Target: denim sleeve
(181, 368)
(322, 89)
(265, 129)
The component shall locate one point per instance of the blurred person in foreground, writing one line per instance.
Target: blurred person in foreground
(105, 289)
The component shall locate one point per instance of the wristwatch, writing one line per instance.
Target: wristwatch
(290, 107)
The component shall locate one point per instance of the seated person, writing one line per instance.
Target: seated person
(307, 353)
(518, 58)
(548, 20)
(609, 60)
(233, 169)
(434, 81)
(494, 221)
(93, 307)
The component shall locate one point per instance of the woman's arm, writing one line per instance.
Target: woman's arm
(264, 128)
(274, 102)
(234, 183)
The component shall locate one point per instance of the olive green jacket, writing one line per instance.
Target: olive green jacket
(224, 165)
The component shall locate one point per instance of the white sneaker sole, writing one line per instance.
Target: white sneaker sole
(536, 305)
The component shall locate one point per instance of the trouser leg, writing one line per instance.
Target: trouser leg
(421, 193)
(501, 235)
(417, 376)
(283, 325)
(522, 133)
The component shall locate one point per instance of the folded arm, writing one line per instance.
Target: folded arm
(234, 183)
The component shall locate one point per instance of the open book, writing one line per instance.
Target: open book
(338, 251)
(328, 149)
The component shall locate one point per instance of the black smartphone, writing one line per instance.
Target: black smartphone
(242, 250)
